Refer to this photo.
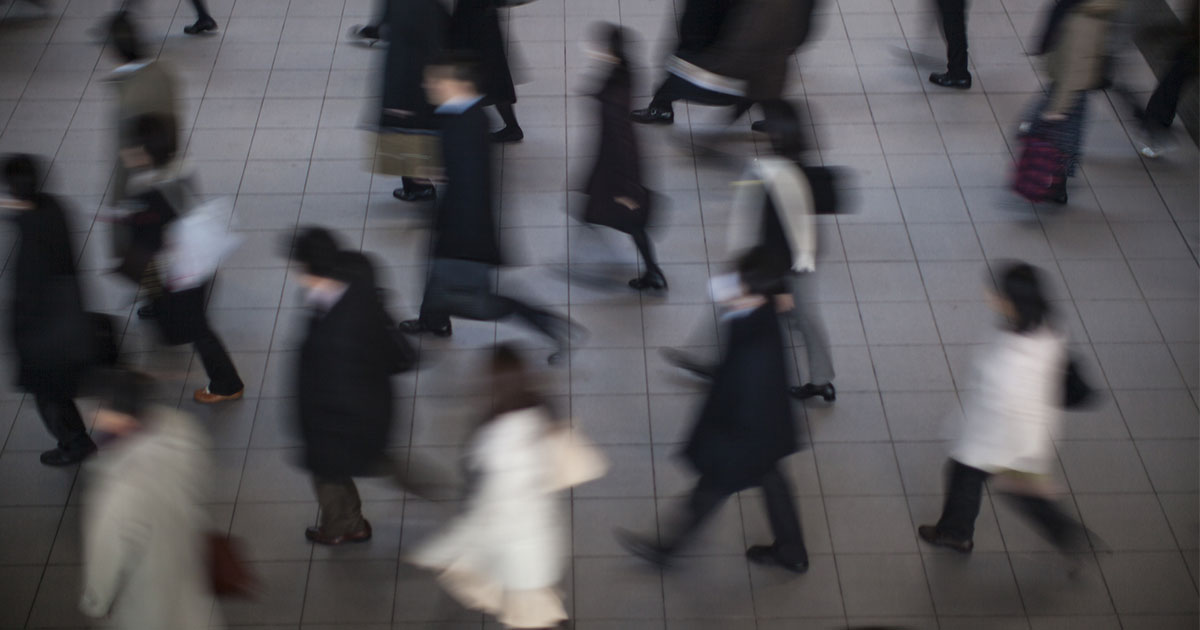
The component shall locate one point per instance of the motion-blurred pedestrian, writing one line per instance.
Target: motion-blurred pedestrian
(343, 382)
(160, 192)
(1159, 112)
(416, 31)
(1011, 417)
(506, 553)
(745, 428)
(466, 248)
(145, 557)
(47, 310)
(617, 197)
(475, 27)
(746, 64)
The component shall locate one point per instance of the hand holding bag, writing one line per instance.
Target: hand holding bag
(228, 573)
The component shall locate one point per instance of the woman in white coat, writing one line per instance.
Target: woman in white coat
(144, 525)
(506, 554)
(1012, 416)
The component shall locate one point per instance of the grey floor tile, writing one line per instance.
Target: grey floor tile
(898, 323)
(878, 585)
(24, 481)
(858, 469)
(708, 587)
(870, 525)
(280, 602)
(1182, 513)
(1149, 583)
(274, 531)
(1127, 522)
(20, 586)
(350, 591)
(1171, 464)
(617, 588)
(909, 368)
(982, 584)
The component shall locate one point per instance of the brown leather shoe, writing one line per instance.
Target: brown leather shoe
(205, 397)
(315, 534)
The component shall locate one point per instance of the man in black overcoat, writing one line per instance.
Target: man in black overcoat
(47, 311)
(745, 428)
(466, 248)
(343, 383)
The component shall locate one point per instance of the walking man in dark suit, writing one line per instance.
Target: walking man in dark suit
(466, 250)
(953, 14)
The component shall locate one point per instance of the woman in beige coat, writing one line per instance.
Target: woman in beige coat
(144, 525)
(1076, 63)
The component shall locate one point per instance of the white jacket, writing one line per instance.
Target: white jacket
(506, 553)
(144, 526)
(792, 196)
(1015, 410)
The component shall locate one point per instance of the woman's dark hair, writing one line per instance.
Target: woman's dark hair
(1020, 284)
(757, 273)
(512, 387)
(157, 136)
(123, 37)
(22, 176)
(317, 250)
(784, 129)
(124, 391)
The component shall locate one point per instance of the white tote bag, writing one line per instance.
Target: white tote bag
(197, 242)
(575, 461)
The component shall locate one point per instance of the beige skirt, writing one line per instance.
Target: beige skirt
(409, 155)
(537, 608)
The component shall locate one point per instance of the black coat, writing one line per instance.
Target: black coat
(48, 325)
(475, 27)
(465, 227)
(745, 426)
(618, 170)
(343, 383)
(417, 31)
(701, 23)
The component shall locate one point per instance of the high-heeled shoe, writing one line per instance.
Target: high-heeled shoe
(201, 25)
(808, 390)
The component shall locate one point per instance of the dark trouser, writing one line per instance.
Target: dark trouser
(462, 288)
(201, 10)
(341, 508)
(964, 495)
(676, 89)
(507, 114)
(62, 419)
(707, 496)
(223, 377)
(954, 27)
(1161, 107)
(646, 249)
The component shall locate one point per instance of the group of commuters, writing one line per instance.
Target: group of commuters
(146, 538)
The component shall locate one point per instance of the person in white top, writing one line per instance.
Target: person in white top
(1011, 418)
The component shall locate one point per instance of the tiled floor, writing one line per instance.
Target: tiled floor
(273, 105)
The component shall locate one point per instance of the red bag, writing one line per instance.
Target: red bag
(1042, 170)
(227, 568)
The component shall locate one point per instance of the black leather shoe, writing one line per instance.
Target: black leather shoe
(315, 534)
(653, 281)
(415, 327)
(423, 193)
(202, 25)
(369, 32)
(147, 312)
(653, 115)
(508, 134)
(930, 534)
(642, 548)
(759, 126)
(947, 80)
(767, 555)
(63, 457)
(808, 390)
(685, 362)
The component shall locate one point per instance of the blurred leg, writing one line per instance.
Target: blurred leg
(785, 521)
(964, 495)
(1058, 527)
(341, 507)
(62, 420)
(807, 320)
(954, 27)
(701, 504)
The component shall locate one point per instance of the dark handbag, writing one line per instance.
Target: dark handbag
(180, 316)
(1076, 391)
(228, 573)
(104, 339)
(823, 181)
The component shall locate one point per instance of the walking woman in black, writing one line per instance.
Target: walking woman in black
(475, 28)
(616, 196)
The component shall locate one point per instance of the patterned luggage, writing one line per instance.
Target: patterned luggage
(1041, 173)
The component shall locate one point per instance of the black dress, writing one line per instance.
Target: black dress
(617, 171)
(475, 27)
(417, 32)
(343, 383)
(746, 424)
